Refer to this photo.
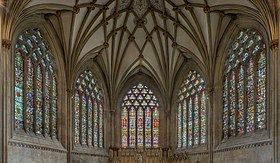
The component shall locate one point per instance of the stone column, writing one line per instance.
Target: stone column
(70, 94)
(276, 53)
(275, 98)
(1, 94)
(5, 50)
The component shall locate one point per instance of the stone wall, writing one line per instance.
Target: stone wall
(33, 154)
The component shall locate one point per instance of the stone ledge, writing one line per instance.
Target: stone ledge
(33, 146)
(90, 154)
(245, 146)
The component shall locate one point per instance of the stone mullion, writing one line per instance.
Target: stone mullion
(193, 109)
(92, 121)
(87, 115)
(136, 125)
(152, 126)
(98, 123)
(128, 124)
(182, 119)
(228, 107)
(24, 60)
(80, 116)
(199, 116)
(255, 59)
(35, 66)
(237, 70)
(44, 87)
(245, 94)
(187, 120)
(144, 127)
(51, 104)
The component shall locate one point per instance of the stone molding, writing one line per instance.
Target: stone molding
(245, 146)
(274, 44)
(6, 43)
(90, 154)
(38, 147)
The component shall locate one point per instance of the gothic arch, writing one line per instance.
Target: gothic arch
(231, 33)
(56, 51)
(149, 82)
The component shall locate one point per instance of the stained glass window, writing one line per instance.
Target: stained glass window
(191, 112)
(88, 111)
(244, 88)
(140, 118)
(35, 85)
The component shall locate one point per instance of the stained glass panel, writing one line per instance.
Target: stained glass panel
(54, 108)
(184, 125)
(196, 120)
(142, 119)
(261, 94)
(39, 101)
(19, 73)
(250, 96)
(190, 122)
(148, 127)
(246, 58)
(47, 102)
(89, 119)
(132, 127)
(30, 96)
(240, 110)
(192, 97)
(77, 122)
(89, 122)
(232, 103)
(203, 118)
(179, 124)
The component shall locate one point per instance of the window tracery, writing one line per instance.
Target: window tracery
(244, 90)
(35, 85)
(88, 111)
(140, 118)
(191, 112)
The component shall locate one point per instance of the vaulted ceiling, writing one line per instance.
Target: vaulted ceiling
(151, 36)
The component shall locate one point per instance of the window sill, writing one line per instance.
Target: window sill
(193, 149)
(248, 138)
(36, 140)
(86, 150)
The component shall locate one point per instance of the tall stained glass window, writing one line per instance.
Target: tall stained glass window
(244, 89)
(140, 118)
(88, 111)
(191, 112)
(35, 90)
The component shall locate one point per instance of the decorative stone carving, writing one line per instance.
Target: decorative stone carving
(140, 7)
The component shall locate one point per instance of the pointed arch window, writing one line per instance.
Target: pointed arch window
(140, 118)
(244, 90)
(191, 112)
(35, 85)
(88, 111)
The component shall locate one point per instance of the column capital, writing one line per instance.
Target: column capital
(6, 43)
(274, 44)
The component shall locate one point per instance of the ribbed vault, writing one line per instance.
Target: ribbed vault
(150, 36)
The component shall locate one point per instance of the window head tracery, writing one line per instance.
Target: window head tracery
(191, 112)
(88, 111)
(140, 118)
(244, 90)
(35, 85)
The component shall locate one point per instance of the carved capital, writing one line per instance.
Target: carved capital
(6, 43)
(274, 44)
